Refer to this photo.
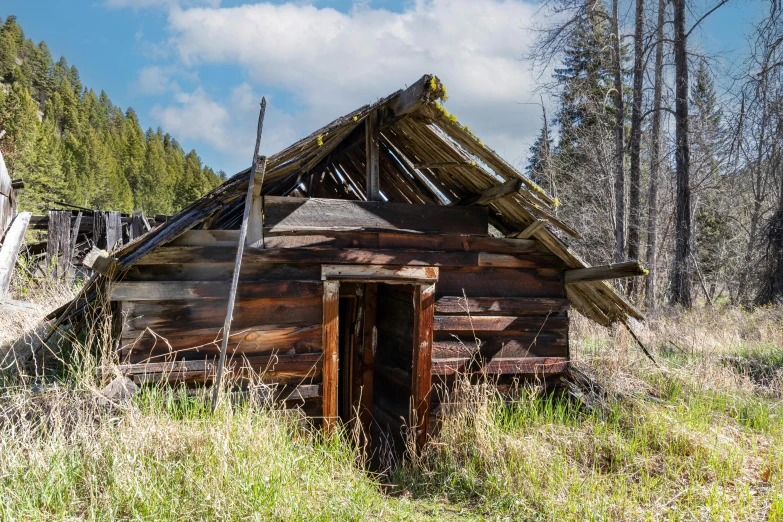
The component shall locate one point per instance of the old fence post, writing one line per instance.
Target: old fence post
(58, 246)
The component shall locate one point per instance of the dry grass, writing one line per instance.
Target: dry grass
(696, 437)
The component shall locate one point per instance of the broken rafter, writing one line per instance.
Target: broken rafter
(494, 193)
(444, 164)
(530, 230)
(602, 273)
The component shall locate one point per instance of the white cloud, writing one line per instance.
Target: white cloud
(330, 62)
(228, 127)
(156, 80)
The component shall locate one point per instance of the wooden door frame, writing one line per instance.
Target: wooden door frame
(423, 279)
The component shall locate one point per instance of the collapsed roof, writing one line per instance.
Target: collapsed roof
(427, 157)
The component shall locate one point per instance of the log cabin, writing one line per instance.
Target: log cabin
(382, 254)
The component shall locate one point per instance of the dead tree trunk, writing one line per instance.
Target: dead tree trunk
(655, 164)
(635, 211)
(681, 271)
(619, 138)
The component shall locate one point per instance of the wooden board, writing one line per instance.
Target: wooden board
(186, 314)
(500, 344)
(331, 319)
(195, 344)
(528, 366)
(177, 290)
(387, 274)
(498, 323)
(222, 272)
(382, 240)
(289, 214)
(501, 282)
(501, 305)
(424, 306)
(176, 255)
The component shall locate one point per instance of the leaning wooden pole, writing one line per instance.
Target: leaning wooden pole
(259, 162)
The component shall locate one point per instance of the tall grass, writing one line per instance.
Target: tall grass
(696, 437)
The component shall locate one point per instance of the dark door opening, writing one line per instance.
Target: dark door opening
(375, 354)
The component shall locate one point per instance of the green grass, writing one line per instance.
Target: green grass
(697, 437)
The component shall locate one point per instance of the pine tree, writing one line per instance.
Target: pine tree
(86, 151)
(538, 168)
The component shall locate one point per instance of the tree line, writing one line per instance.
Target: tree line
(69, 144)
(655, 162)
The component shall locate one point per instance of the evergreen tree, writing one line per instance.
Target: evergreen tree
(537, 164)
(73, 145)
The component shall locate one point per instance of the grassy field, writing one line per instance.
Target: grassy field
(695, 437)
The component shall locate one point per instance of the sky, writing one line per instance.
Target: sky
(198, 68)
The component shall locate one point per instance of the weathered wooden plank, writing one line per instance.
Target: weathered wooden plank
(501, 282)
(360, 256)
(551, 342)
(415, 96)
(531, 229)
(58, 246)
(492, 323)
(222, 272)
(526, 366)
(175, 290)
(375, 240)
(183, 315)
(369, 346)
(493, 193)
(424, 307)
(501, 305)
(12, 242)
(197, 343)
(372, 135)
(226, 238)
(380, 273)
(331, 320)
(290, 214)
(600, 273)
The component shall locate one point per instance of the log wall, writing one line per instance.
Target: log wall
(514, 321)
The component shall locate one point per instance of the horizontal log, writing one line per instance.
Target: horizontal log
(526, 366)
(494, 193)
(500, 282)
(273, 363)
(601, 273)
(373, 240)
(195, 344)
(485, 323)
(501, 305)
(286, 214)
(224, 271)
(219, 254)
(177, 290)
(507, 343)
(380, 273)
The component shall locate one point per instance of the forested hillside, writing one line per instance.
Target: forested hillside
(71, 144)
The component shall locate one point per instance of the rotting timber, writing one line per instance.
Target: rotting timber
(369, 273)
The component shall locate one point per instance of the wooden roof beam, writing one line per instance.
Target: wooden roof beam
(531, 229)
(414, 97)
(602, 273)
(493, 193)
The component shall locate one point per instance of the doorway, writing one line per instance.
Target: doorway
(377, 355)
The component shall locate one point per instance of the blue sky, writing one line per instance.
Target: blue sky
(198, 68)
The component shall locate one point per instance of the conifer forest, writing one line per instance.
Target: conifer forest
(71, 144)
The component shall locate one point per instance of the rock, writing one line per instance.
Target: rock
(121, 389)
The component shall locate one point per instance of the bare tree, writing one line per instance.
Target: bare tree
(634, 204)
(655, 161)
(619, 137)
(681, 269)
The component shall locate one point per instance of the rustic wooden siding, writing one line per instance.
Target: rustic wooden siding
(516, 305)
